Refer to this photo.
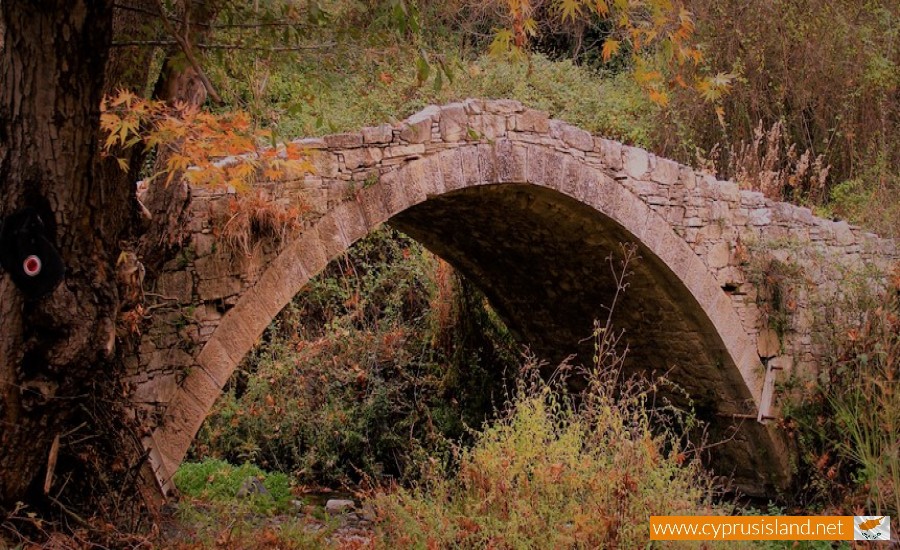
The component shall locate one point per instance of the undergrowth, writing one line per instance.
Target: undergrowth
(553, 474)
(846, 420)
(385, 357)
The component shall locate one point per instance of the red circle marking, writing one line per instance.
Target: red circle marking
(32, 265)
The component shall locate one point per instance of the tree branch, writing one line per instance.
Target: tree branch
(166, 43)
(188, 52)
(213, 26)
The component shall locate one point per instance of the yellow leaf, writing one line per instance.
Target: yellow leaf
(569, 9)
(720, 114)
(502, 42)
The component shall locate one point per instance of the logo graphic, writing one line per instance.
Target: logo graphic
(872, 528)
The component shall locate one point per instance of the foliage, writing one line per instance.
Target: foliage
(657, 34)
(559, 469)
(772, 166)
(217, 481)
(826, 72)
(256, 216)
(202, 525)
(382, 357)
(204, 148)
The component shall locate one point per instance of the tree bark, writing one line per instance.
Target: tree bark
(179, 84)
(51, 349)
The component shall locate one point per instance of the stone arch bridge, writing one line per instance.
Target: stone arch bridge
(529, 208)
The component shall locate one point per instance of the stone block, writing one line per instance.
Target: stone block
(718, 256)
(411, 151)
(219, 288)
(488, 126)
(454, 123)
(767, 343)
(637, 162)
(843, 234)
(204, 244)
(532, 120)
(510, 161)
(503, 106)
(665, 172)
(760, 216)
(344, 141)
(417, 128)
(610, 152)
(451, 170)
(576, 137)
(468, 157)
(324, 163)
(362, 157)
(176, 284)
(473, 106)
(378, 134)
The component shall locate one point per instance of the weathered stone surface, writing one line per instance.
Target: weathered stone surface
(843, 234)
(176, 284)
(768, 343)
(378, 134)
(454, 122)
(531, 120)
(344, 141)
(666, 171)
(417, 128)
(637, 162)
(718, 255)
(578, 138)
(336, 506)
(503, 106)
(404, 151)
(363, 157)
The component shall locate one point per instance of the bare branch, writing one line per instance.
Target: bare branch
(188, 52)
(166, 43)
(213, 26)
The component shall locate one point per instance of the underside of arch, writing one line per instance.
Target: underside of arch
(548, 264)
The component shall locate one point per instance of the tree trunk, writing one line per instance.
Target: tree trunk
(179, 84)
(53, 348)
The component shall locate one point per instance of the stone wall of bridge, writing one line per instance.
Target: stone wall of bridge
(729, 295)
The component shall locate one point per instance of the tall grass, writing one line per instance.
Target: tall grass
(551, 473)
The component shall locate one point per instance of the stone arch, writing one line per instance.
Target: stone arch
(535, 170)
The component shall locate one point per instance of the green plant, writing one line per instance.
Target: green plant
(217, 481)
(550, 474)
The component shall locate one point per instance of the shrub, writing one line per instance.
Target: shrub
(551, 473)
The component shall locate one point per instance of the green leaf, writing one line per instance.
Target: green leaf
(438, 81)
(423, 69)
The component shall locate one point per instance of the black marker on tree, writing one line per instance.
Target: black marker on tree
(27, 254)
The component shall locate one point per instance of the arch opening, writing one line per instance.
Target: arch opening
(546, 263)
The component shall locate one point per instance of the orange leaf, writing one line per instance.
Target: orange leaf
(610, 47)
